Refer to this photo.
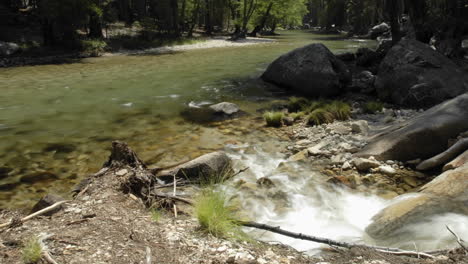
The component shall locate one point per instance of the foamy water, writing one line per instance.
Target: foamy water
(301, 202)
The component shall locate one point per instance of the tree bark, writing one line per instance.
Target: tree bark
(95, 27)
(393, 13)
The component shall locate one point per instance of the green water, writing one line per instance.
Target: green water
(57, 121)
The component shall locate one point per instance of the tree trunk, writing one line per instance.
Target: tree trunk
(393, 13)
(417, 11)
(175, 17)
(208, 22)
(95, 27)
(258, 28)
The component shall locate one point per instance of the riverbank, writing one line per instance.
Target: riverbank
(73, 57)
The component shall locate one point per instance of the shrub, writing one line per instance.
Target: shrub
(215, 216)
(93, 47)
(339, 110)
(314, 105)
(320, 116)
(297, 104)
(273, 119)
(32, 251)
(372, 107)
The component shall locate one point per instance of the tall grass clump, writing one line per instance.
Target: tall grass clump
(32, 251)
(339, 110)
(372, 107)
(320, 116)
(273, 119)
(297, 104)
(314, 105)
(297, 116)
(216, 216)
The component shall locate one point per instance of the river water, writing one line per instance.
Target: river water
(57, 122)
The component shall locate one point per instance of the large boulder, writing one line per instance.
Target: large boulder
(448, 193)
(415, 75)
(423, 136)
(311, 70)
(206, 167)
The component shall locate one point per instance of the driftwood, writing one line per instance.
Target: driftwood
(278, 230)
(459, 240)
(445, 156)
(457, 162)
(40, 212)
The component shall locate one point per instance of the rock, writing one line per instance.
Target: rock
(8, 48)
(360, 127)
(265, 182)
(412, 74)
(423, 136)
(288, 121)
(38, 177)
(464, 44)
(411, 181)
(365, 164)
(60, 147)
(388, 170)
(346, 166)
(213, 113)
(459, 161)
(216, 164)
(300, 156)
(447, 193)
(367, 57)
(347, 56)
(4, 171)
(363, 82)
(379, 30)
(311, 70)
(47, 201)
(225, 108)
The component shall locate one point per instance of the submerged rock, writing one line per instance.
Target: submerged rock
(212, 113)
(38, 177)
(415, 75)
(311, 70)
(446, 193)
(423, 136)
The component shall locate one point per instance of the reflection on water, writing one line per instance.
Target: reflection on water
(57, 121)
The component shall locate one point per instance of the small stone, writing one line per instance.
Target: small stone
(411, 181)
(365, 164)
(388, 170)
(346, 166)
(301, 155)
(360, 127)
(303, 142)
(121, 172)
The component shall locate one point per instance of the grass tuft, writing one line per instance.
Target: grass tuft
(273, 119)
(93, 47)
(339, 110)
(32, 251)
(216, 216)
(297, 116)
(155, 215)
(372, 107)
(297, 104)
(320, 116)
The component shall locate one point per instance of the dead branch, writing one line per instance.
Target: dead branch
(239, 172)
(330, 242)
(445, 156)
(48, 257)
(40, 212)
(148, 255)
(459, 240)
(172, 197)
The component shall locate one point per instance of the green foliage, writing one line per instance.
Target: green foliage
(320, 116)
(32, 251)
(216, 216)
(339, 110)
(94, 47)
(273, 119)
(315, 105)
(372, 107)
(210, 180)
(155, 215)
(297, 104)
(297, 116)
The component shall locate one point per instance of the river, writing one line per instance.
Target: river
(57, 122)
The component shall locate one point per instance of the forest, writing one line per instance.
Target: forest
(65, 22)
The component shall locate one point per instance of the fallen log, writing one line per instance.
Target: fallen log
(330, 242)
(445, 156)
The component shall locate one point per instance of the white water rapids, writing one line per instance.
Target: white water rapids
(300, 201)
